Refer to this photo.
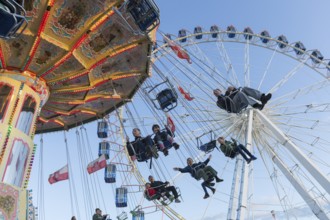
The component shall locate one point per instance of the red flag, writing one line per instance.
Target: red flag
(59, 175)
(179, 51)
(170, 123)
(97, 164)
(186, 95)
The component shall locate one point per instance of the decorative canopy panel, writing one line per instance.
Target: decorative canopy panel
(91, 54)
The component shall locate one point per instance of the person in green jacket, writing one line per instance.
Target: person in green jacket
(98, 215)
(231, 149)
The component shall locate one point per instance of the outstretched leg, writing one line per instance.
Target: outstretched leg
(211, 188)
(204, 188)
(241, 152)
(252, 157)
(252, 92)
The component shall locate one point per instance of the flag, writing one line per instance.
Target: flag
(179, 51)
(186, 95)
(59, 175)
(170, 123)
(97, 164)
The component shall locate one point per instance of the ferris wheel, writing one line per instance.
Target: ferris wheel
(288, 136)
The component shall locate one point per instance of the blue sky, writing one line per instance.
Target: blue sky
(305, 21)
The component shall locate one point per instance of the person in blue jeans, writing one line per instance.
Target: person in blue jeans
(231, 148)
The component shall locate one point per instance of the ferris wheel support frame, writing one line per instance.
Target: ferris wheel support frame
(319, 177)
(244, 187)
(234, 194)
(294, 150)
(314, 206)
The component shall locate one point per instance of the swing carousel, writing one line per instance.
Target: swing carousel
(63, 63)
(67, 63)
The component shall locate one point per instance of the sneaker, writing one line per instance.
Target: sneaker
(213, 190)
(177, 200)
(265, 98)
(248, 161)
(258, 106)
(253, 158)
(165, 152)
(219, 180)
(206, 196)
(176, 146)
(171, 198)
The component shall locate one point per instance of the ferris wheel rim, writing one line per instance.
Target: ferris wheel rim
(321, 68)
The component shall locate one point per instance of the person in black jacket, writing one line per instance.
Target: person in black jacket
(201, 170)
(142, 147)
(235, 100)
(161, 187)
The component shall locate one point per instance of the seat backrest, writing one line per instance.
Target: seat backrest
(208, 147)
(7, 23)
(230, 105)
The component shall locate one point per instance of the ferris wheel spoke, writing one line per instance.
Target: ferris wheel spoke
(247, 64)
(288, 111)
(287, 77)
(232, 76)
(301, 91)
(267, 68)
(205, 61)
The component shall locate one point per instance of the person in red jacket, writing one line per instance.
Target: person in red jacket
(150, 192)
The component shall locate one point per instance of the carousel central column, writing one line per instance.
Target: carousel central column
(22, 96)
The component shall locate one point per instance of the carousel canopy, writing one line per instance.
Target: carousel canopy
(92, 55)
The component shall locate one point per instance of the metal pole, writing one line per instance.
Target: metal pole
(233, 202)
(242, 206)
(295, 151)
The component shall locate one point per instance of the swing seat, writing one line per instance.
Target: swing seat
(12, 18)
(151, 151)
(137, 215)
(164, 200)
(210, 177)
(167, 100)
(153, 197)
(208, 147)
(145, 13)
